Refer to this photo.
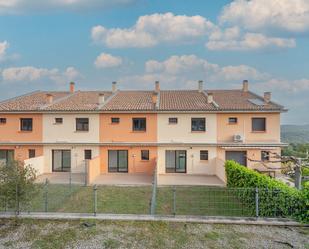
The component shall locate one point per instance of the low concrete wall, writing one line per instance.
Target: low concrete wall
(93, 169)
(37, 163)
(220, 170)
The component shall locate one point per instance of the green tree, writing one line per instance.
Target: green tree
(17, 185)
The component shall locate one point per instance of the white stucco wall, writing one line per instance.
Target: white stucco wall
(77, 156)
(181, 132)
(66, 132)
(194, 164)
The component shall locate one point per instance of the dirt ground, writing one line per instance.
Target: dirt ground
(107, 234)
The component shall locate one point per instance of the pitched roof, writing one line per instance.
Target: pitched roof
(140, 101)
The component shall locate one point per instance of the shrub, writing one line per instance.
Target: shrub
(275, 197)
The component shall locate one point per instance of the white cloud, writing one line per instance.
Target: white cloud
(261, 15)
(233, 39)
(24, 6)
(26, 74)
(287, 86)
(107, 61)
(3, 47)
(149, 30)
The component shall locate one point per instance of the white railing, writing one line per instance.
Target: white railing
(37, 163)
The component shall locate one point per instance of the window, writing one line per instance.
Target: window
(204, 155)
(58, 120)
(118, 161)
(61, 160)
(232, 120)
(198, 124)
(172, 120)
(145, 155)
(26, 124)
(115, 120)
(265, 156)
(82, 124)
(6, 156)
(258, 124)
(88, 155)
(31, 153)
(139, 124)
(2, 120)
(175, 161)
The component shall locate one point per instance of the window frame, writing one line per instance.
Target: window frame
(265, 158)
(139, 129)
(172, 118)
(233, 123)
(31, 153)
(115, 120)
(84, 126)
(258, 118)
(206, 152)
(2, 121)
(87, 155)
(147, 155)
(117, 169)
(57, 121)
(29, 128)
(198, 119)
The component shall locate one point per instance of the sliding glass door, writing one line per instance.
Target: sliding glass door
(118, 161)
(176, 161)
(6, 156)
(61, 160)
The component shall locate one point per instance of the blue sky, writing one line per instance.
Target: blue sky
(45, 45)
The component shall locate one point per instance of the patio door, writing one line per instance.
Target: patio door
(6, 156)
(176, 161)
(238, 156)
(61, 160)
(118, 161)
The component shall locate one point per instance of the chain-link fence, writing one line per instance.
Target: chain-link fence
(175, 200)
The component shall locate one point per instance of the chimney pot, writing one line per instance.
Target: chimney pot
(114, 86)
(50, 98)
(101, 98)
(200, 86)
(267, 97)
(157, 86)
(72, 87)
(245, 86)
(210, 98)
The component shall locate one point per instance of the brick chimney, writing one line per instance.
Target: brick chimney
(50, 98)
(154, 98)
(245, 86)
(114, 86)
(157, 86)
(210, 98)
(72, 87)
(200, 86)
(267, 97)
(101, 98)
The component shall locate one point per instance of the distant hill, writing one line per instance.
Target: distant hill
(295, 133)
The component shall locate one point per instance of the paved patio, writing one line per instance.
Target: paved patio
(189, 180)
(62, 178)
(123, 179)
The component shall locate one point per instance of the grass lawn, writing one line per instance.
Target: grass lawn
(210, 201)
(51, 234)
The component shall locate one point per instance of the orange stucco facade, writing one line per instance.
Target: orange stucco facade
(10, 131)
(123, 132)
(135, 163)
(226, 131)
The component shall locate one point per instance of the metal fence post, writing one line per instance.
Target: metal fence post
(16, 199)
(174, 200)
(46, 196)
(86, 172)
(95, 199)
(257, 202)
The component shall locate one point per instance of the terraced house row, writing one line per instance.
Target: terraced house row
(181, 133)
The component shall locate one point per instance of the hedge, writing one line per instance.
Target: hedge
(276, 199)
